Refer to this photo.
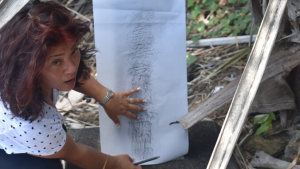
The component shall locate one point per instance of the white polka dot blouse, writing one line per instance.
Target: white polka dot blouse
(44, 136)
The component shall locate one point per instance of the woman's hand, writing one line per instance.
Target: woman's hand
(120, 104)
(125, 162)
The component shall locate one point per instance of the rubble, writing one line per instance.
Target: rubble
(280, 93)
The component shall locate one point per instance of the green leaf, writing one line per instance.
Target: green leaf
(231, 1)
(236, 22)
(208, 33)
(190, 59)
(227, 29)
(236, 32)
(207, 3)
(243, 25)
(225, 21)
(243, 1)
(195, 38)
(188, 30)
(255, 31)
(213, 6)
(248, 56)
(261, 118)
(201, 27)
(247, 32)
(212, 20)
(219, 26)
(193, 26)
(224, 9)
(245, 10)
(195, 12)
(232, 16)
(223, 31)
(213, 35)
(248, 18)
(240, 18)
(267, 125)
(199, 24)
(272, 116)
(190, 3)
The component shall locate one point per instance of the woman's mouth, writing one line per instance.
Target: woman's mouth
(70, 82)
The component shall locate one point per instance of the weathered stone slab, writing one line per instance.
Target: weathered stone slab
(202, 136)
(273, 145)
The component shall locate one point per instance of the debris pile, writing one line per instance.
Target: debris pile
(212, 79)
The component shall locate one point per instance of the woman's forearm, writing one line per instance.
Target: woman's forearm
(87, 157)
(92, 88)
(119, 104)
(91, 158)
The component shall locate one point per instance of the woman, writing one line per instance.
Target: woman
(40, 55)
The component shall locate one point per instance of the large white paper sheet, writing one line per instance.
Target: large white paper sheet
(141, 43)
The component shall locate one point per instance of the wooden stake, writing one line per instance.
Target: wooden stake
(9, 8)
(248, 85)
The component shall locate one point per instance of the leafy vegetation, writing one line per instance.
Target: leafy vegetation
(265, 121)
(190, 58)
(208, 19)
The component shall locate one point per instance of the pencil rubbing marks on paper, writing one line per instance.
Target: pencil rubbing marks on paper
(140, 67)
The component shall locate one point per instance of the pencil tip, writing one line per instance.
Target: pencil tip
(173, 122)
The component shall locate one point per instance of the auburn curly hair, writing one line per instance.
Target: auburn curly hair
(24, 43)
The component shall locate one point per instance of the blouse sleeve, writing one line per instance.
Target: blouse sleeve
(41, 137)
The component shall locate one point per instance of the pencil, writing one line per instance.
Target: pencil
(147, 160)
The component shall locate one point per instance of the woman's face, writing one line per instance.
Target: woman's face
(61, 67)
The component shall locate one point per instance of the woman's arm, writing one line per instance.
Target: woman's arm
(118, 105)
(93, 88)
(87, 157)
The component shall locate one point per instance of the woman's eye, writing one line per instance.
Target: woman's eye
(55, 62)
(74, 52)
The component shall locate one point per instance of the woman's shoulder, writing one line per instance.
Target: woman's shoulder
(48, 115)
(5, 113)
(21, 136)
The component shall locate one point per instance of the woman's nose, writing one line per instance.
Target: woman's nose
(71, 67)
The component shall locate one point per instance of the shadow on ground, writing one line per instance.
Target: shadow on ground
(202, 138)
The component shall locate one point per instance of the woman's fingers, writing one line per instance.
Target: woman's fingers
(115, 119)
(132, 91)
(135, 108)
(131, 115)
(136, 167)
(136, 100)
(121, 104)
